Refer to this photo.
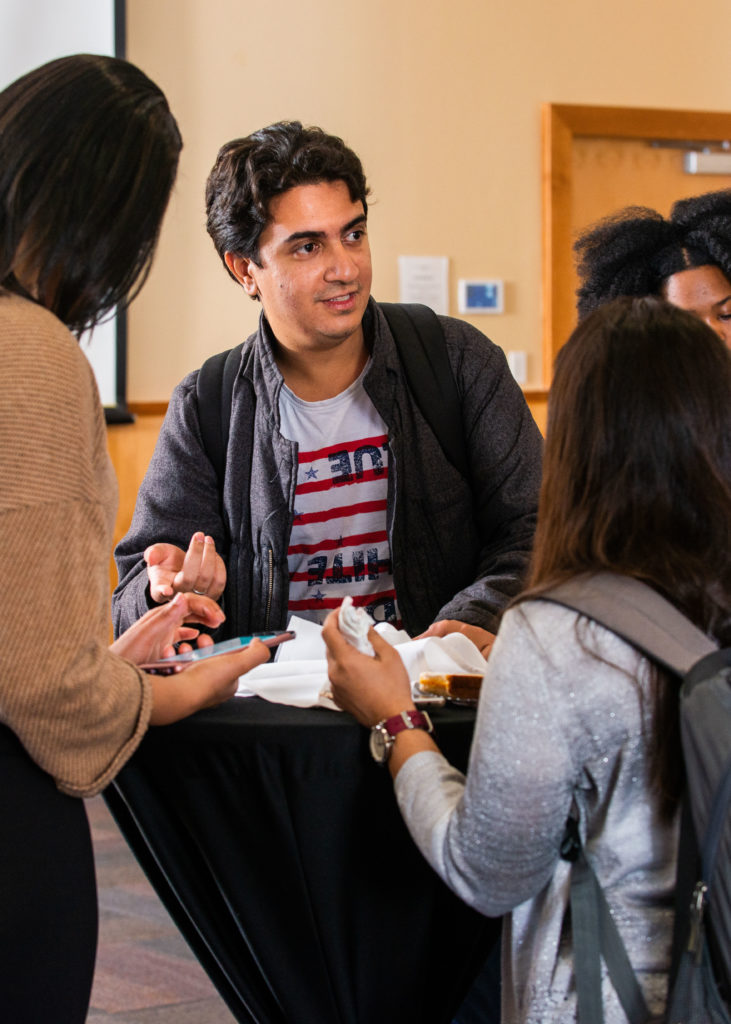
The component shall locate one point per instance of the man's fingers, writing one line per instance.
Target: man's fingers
(167, 554)
(163, 561)
(153, 555)
(199, 570)
(199, 566)
(211, 578)
(187, 577)
(160, 590)
(207, 570)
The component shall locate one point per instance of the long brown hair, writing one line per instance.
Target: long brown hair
(637, 471)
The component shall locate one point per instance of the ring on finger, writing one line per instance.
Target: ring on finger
(200, 593)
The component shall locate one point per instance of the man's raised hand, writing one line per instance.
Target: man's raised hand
(199, 570)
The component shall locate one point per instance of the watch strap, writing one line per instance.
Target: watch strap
(383, 733)
(407, 720)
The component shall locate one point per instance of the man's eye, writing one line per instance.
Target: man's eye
(307, 247)
(355, 236)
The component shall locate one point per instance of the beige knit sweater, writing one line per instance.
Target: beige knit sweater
(79, 710)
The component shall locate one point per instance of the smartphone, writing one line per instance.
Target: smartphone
(270, 639)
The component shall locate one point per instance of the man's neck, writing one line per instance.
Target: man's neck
(315, 376)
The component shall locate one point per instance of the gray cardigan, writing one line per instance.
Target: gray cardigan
(458, 550)
(563, 721)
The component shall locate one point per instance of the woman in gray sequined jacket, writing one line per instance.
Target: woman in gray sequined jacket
(570, 716)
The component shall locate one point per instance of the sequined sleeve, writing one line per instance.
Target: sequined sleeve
(559, 706)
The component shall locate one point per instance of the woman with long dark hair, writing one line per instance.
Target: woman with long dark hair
(88, 156)
(637, 480)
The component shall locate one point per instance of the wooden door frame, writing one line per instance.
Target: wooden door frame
(561, 124)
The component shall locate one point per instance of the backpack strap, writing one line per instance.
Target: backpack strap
(645, 619)
(214, 392)
(423, 352)
(638, 614)
(595, 934)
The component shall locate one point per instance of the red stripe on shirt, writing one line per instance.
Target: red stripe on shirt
(359, 600)
(342, 512)
(353, 540)
(344, 446)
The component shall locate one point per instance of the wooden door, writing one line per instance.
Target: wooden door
(597, 160)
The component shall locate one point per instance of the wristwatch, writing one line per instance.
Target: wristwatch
(383, 733)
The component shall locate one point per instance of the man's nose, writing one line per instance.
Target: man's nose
(342, 266)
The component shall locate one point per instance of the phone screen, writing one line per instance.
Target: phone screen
(271, 639)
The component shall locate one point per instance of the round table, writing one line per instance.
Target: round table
(276, 844)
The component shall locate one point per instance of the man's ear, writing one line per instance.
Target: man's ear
(240, 267)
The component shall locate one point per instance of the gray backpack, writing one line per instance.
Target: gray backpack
(700, 979)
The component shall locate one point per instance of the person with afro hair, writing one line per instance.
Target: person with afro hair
(685, 259)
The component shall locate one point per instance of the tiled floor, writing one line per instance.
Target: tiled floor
(145, 973)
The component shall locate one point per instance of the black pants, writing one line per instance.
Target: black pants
(48, 906)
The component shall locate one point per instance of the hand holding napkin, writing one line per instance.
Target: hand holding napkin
(299, 675)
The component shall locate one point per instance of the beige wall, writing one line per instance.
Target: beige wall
(441, 101)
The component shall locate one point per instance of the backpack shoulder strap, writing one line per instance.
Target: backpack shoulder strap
(638, 614)
(214, 392)
(423, 352)
(644, 618)
(595, 936)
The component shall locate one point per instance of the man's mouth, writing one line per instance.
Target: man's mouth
(343, 301)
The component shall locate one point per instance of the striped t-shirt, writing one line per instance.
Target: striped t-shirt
(339, 544)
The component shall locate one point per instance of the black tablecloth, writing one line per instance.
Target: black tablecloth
(276, 844)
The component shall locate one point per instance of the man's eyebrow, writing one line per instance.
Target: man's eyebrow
(361, 219)
(298, 236)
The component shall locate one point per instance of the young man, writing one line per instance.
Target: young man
(334, 482)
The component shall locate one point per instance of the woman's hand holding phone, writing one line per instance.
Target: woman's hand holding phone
(208, 680)
(187, 655)
(204, 684)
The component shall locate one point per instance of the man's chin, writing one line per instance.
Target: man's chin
(341, 324)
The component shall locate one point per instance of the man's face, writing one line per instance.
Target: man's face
(314, 271)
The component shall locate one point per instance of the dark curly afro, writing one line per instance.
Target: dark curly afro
(634, 251)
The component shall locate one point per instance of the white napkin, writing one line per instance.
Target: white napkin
(299, 675)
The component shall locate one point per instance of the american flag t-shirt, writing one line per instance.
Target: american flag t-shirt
(339, 542)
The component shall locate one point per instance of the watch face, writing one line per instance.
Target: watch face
(380, 744)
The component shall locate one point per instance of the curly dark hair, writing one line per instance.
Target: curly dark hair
(88, 156)
(633, 252)
(250, 172)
